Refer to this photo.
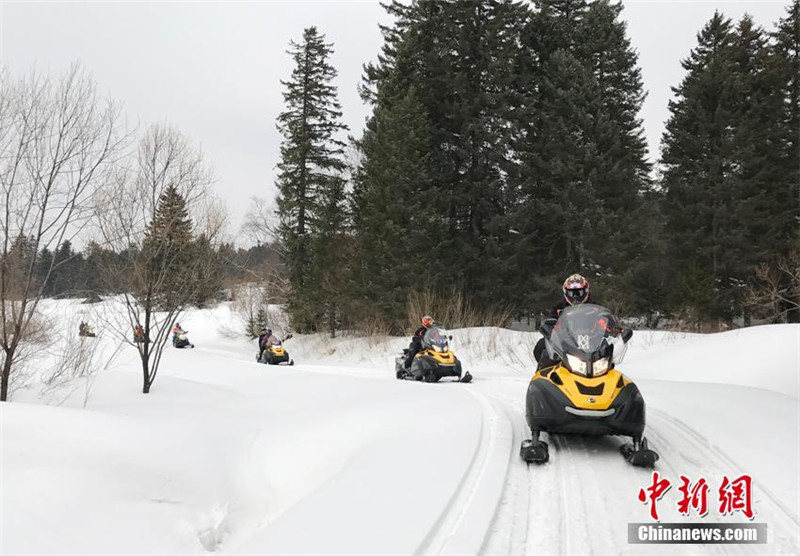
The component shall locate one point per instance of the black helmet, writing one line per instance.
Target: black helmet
(269, 331)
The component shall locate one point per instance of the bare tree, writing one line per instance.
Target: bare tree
(260, 222)
(158, 274)
(58, 142)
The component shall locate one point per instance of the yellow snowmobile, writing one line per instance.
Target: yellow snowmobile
(435, 361)
(274, 354)
(583, 393)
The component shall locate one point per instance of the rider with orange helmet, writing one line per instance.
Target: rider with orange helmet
(416, 340)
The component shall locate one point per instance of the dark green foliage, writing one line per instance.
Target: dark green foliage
(451, 67)
(731, 195)
(167, 251)
(393, 212)
(311, 190)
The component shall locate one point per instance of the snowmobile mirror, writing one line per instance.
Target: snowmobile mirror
(627, 334)
(547, 328)
(450, 337)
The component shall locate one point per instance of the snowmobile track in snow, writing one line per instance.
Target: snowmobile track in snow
(465, 521)
(682, 448)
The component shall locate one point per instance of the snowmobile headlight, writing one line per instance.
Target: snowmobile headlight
(576, 364)
(437, 348)
(600, 367)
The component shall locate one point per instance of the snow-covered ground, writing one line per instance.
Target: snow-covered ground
(334, 455)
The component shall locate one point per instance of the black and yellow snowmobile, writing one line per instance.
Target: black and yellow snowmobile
(435, 360)
(584, 393)
(275, 354)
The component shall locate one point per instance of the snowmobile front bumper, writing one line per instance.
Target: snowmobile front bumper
(270, 358)
(549, 409)
(427, 369)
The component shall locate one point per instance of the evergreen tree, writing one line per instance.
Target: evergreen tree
(167, 250)
(458, 60)
(392, 212)
(309, 182)
(726, 165)
(583, 170)
(786, 52)
(787, 45)
(696, 155)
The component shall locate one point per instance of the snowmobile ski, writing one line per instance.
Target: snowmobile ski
(534, 451)
(638, 454)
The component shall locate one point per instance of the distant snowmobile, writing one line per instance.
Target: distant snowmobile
(435, 361)
(181, 340)
(274, 354)
(584, 393)
(86, 331)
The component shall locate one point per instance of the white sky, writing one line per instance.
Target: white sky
(213, 68)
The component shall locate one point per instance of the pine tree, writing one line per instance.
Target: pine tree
(392, 213)
(725, 168)
(583, 168)
(167, 249)
(786, 221)
(458, 57)
(309, 170)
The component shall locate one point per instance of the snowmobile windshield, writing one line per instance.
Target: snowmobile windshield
(584, 336)
(435, 338)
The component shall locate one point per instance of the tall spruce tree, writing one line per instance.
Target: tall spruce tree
(696, 155)
(458, 57)
(167, 251)
(309, 183)
(725, 167)
(583, 167)
(392, 214)
(786, 50)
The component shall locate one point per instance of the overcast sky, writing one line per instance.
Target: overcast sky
(213, 69)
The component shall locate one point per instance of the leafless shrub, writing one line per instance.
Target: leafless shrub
(77, 363)
(689, 319)
(774, 294)
(454, 309)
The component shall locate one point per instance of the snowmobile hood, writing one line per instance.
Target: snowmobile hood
(585, 393)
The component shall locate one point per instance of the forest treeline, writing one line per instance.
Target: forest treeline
(505, 151)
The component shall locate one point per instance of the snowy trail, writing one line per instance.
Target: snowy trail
(232, 456)
(586, 495)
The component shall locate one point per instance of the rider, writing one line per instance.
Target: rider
(262, 337)
(266, 339)
(175, 331)
(576, 292)
(416, 340)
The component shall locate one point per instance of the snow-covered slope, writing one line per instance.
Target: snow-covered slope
(334, 455)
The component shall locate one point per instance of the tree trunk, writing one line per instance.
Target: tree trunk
(145, 376)
(6, 375)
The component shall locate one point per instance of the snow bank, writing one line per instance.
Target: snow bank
(226, 452)
(766, 357)
(334, 455)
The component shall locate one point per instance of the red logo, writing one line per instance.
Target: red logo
(734, 496)
(653, 493)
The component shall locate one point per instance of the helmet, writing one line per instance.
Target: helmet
(269, 331)
(427, 321)
(576, 289)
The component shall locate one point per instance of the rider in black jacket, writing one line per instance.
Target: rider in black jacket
(416, 340)
(576, 292)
